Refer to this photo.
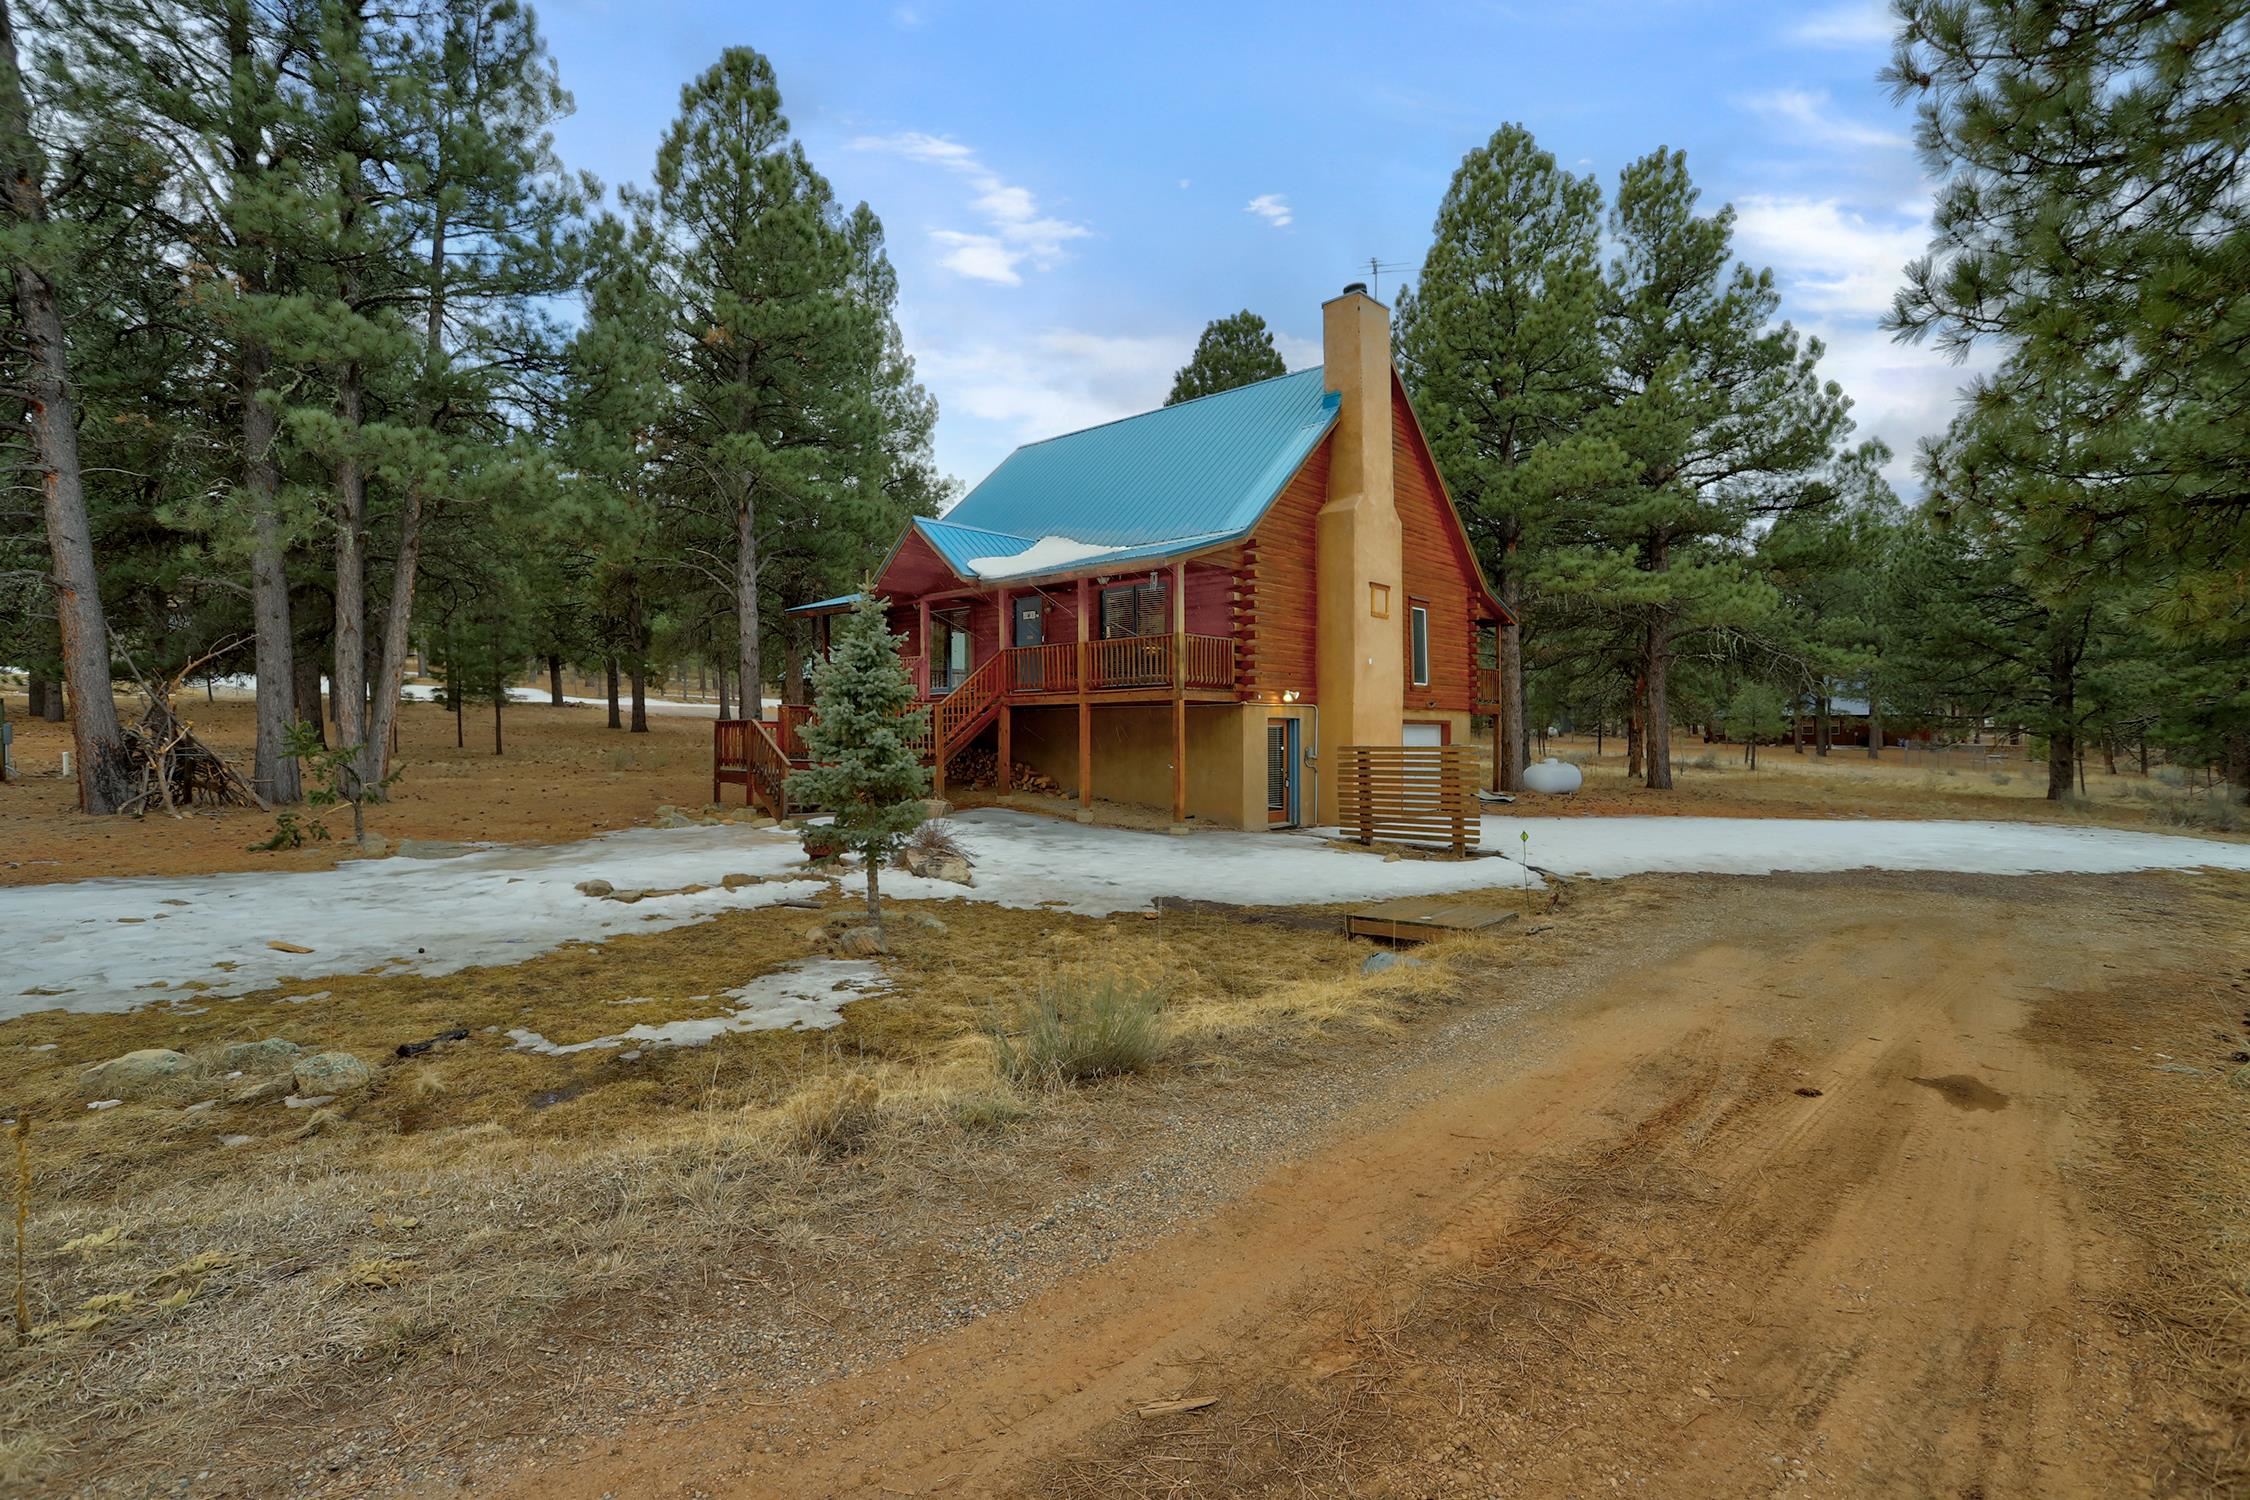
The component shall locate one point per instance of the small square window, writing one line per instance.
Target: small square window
(1379, 600)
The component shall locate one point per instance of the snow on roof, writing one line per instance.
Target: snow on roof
(1043, 556)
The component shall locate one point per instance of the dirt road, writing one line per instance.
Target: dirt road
(1798, 1211)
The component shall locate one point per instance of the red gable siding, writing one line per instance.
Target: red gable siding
(1437, 570)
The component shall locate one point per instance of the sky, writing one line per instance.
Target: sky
(1071, 190)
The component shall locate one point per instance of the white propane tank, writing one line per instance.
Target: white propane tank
(1556, 778)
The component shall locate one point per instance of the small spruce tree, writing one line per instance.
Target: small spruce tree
(865, 769)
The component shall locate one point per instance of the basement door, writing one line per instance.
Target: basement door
(1281, 773)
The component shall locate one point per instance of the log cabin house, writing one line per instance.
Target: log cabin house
(1197, 606)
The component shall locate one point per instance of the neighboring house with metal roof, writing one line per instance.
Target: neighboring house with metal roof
(1196, 606)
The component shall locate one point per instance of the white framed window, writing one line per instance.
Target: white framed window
(1418, 649)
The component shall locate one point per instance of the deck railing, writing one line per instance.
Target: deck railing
(1051, 668)
(1210, 661)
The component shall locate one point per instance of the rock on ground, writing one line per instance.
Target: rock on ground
(330, 1073)
(136, 1074)
(270, 1055)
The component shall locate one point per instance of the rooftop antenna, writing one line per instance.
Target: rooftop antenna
(1376, 266)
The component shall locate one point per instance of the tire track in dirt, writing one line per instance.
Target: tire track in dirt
(1647, 1263)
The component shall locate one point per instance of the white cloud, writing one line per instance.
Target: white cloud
(1054, 381)
(1835, 258)
(1861, 24)
(1273, 208)
(1183, 184)
(1838, 266)
(1016, 233)
(1816, 119)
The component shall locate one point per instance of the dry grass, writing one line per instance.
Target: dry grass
(1081, 1027)
(478, 1193)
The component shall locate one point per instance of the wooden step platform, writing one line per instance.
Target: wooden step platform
(1417, 919)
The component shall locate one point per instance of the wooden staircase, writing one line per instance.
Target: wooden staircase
(956, 718)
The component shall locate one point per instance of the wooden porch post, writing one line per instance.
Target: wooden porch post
(1179, 693)
(1006, 637)
(1085, 707)
(922, 612)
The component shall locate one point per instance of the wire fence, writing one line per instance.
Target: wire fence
(1934, 756)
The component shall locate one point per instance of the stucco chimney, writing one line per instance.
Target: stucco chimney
(1360, 666)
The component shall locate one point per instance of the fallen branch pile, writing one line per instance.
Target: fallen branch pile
(175, 769)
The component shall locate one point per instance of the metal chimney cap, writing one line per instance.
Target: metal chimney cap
(1355, 286)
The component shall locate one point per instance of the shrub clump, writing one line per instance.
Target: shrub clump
(933, 840)
(1081, 1028)
(833, 1115)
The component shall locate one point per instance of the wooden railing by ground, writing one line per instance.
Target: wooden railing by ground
(1414, 794)
(789, 731)
(745, 754)
(730, 755)
(769, 771)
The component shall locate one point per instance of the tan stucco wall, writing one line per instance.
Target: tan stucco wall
(1361, 666)
(1226, 750)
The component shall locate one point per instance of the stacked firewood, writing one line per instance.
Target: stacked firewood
(978, 767)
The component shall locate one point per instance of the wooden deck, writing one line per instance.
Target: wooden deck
(1417, 919)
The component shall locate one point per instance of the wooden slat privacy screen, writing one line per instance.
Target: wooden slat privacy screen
(1420, 794)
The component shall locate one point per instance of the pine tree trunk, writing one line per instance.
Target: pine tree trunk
(389, 676)
(277, 776)
(554, 680)
(348, 680)
(637, 632)
(1656, 665)
(609, 666)
(1509, 735)
(51, 705)
(95, 733)
(35, 697)
(1874, 729)
(347, 696)
(746, 609)
(874, 891)
(2062, 764)
(305, 695)
(1633, 744)
(724, 702)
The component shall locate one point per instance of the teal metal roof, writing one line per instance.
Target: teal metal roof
(818, 606)
(1173, 480)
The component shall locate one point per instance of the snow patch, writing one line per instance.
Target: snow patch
(1044, 555)
(805, 996)
(504, 905)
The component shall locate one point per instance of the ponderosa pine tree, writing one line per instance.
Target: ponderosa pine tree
(1721, 418)
(1233, 351)
(201, 83)
(2094, 221)
(1500, 346)
(32, 255)
(866, 772)
(774, 358)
